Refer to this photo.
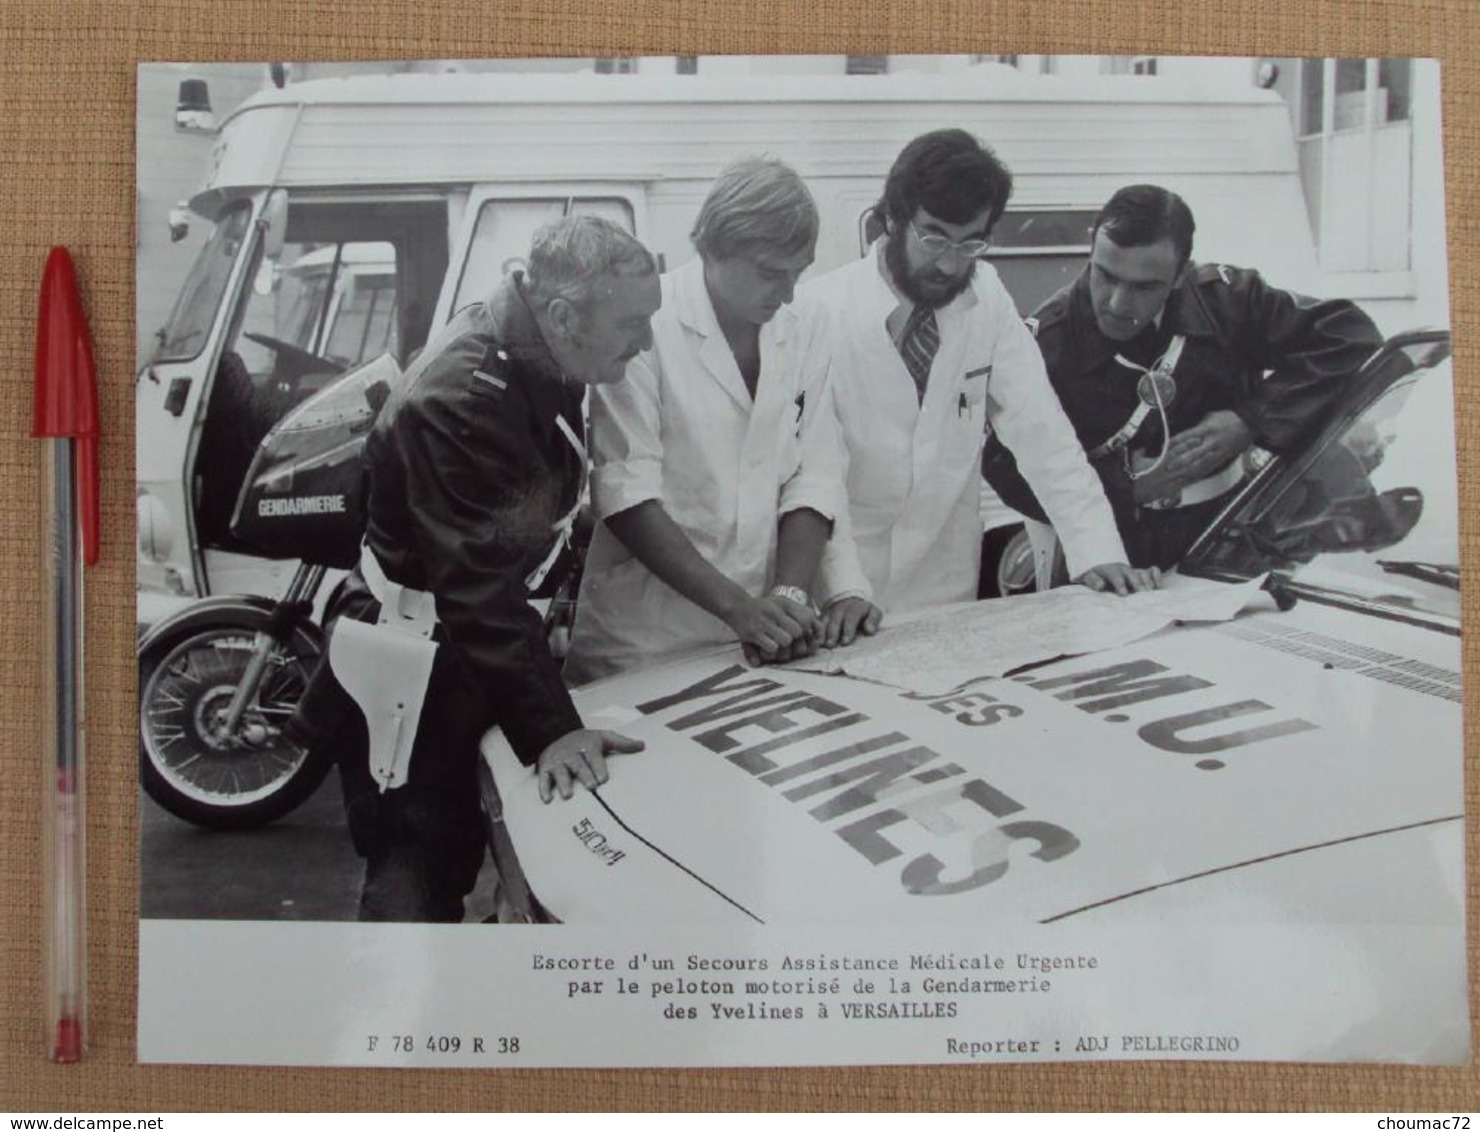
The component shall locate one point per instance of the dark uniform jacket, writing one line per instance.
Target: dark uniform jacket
(470, 473)
(1275, 358)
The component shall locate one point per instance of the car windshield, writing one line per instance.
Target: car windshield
(1370, 515)
(185, 335)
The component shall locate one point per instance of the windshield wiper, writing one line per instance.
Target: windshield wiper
(1270, 553)
(1439, 575)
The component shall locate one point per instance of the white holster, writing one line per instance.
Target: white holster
(385, 668)
(1048, 555)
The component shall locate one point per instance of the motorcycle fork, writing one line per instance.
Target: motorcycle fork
(296, 603)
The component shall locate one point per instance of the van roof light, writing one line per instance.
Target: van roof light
(193, 108)
(195, 94)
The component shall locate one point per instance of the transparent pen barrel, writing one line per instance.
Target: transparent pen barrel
(63, 743)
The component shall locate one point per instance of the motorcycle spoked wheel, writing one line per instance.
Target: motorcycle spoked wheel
(188, 764)
(1007, 564)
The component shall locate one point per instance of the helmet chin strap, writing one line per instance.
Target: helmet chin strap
(1156, 388)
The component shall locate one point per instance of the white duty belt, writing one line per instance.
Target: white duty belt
(565, 526)
(1210, 487)
(385, 668)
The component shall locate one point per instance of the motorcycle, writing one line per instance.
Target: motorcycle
(219, 681)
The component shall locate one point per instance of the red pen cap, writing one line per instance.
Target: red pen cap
(66, 385)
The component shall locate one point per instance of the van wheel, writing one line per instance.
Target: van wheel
(1007, 563)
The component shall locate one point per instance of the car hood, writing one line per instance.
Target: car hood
(1264, 745)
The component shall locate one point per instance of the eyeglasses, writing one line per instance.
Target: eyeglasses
(937, 245)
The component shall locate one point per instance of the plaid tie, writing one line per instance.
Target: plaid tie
(917, 346)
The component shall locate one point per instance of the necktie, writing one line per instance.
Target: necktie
(918, 345)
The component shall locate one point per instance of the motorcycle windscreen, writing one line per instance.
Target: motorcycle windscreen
(304, 493)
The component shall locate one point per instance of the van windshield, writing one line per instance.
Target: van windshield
(185, 335)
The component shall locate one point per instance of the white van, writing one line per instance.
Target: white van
(438, 182)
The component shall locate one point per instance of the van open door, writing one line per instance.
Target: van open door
(171, 391)
(330, 283)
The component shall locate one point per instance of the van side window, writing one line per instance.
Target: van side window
(363, 325)
(505, 228)
(1038, 251)
(1035, 250)
(333, 301)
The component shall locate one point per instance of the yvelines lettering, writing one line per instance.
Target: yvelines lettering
(875, 789)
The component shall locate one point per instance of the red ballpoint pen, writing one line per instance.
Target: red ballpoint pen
(67, 418)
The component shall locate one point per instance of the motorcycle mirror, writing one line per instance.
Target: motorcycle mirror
(265, 282)
(274, 224)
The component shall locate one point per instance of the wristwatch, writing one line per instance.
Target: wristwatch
(793, 594)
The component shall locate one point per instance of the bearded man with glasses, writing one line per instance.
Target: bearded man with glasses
(929, 354)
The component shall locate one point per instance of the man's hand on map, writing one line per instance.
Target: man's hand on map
(1121, 578)
(799, 649)
(844, 620)
(580, 757)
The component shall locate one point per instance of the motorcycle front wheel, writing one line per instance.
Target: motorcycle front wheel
(189, 763)
(1007, 564)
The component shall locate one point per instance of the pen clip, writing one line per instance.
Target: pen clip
(89, 484)
(66, 405)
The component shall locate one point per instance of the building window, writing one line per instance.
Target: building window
(687, 65)
(1028, 64)
(1395, 81)
(867, 65)
(616, 65)
(1352, 129)
(1128, 65)
(1354, 88)
(1310, 97)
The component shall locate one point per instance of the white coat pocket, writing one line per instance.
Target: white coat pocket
(972, 394)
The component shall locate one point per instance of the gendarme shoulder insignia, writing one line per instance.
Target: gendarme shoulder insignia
(491, 375)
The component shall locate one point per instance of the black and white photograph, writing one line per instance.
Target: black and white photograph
(795, 560)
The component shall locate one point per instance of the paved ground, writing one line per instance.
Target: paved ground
(301, 867)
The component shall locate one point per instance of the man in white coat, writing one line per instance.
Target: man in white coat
(928, 353)
(711, 478)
